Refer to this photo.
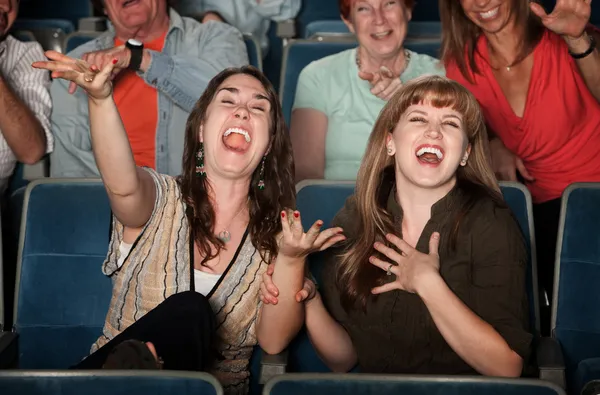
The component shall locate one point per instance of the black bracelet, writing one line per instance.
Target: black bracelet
(586, 53)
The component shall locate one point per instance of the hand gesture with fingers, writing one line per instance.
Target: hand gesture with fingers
(383, 83)
(96, 82)
(568, 18)
(294, 243)
(269, 292)
(410, 266)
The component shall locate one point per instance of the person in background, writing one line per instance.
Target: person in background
(431, 276)
(339, 97)
(537, 79)
(165, 63)
(25, 104)
(249, 16)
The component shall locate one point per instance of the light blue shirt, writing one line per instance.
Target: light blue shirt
(193, 54)
(249, 16)
(331, 85)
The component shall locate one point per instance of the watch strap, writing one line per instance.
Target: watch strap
(137, 53)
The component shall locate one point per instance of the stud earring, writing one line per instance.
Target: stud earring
(389, 151)
(463, 162)
(200, 172)
(261, 177)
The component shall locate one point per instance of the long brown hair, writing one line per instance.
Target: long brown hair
(356, 276)
(459, 34)
(264, 205)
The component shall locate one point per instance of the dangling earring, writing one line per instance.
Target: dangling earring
(200, 172)
(261, 176)
(389, 151)
(463, 162)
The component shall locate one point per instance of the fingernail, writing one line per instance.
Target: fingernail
(283, 214)
(436, 235)
(115, 61)
(377, 244)
(319, 223)
(296, 214)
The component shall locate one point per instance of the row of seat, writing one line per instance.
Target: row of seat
(192, 383)
(62, 296)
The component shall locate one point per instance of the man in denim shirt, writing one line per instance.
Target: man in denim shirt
(154, 93)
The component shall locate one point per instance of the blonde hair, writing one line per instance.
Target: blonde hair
(356, 276)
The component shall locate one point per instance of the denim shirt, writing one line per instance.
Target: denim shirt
(193, 54)
(249, 16)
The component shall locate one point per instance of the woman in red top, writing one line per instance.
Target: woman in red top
(537, 79)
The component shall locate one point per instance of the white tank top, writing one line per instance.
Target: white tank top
(203, 282)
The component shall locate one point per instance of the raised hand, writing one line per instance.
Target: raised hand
(96, 82)
(409, 267)
(294, 243)
(568, 18)
(383, 83)
(269, 292)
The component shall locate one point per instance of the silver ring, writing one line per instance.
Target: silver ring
(389, 269)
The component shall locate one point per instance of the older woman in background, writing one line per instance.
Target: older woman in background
(339, 97)
(537, 79)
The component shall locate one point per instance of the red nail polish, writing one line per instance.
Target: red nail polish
(115, 61)
(296, 214)
(283, 214)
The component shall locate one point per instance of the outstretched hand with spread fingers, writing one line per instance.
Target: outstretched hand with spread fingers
(96, 82)
(409, 266)
(269, 291)
(294, 243)
(568, 18)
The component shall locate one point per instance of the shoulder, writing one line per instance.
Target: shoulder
(347, 218)
(192, 28)
(329, 65)
(24, 51)
(425, 64)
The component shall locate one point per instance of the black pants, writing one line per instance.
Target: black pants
(181, 329)
(546, 217)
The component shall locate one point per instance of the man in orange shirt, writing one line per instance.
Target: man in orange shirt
(165, 62)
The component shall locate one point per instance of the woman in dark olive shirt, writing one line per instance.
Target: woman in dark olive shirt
(431, 277)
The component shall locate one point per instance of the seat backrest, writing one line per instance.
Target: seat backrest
(61, 294)
(322, 199)
(300, 53)
(76, 39)
(23, 35)
(342, 384)
(71, 10)
(41, 24)
(416, 30)
(125, 382)
(575, 311)
(518, 198)
(254, 51)
(316, 10)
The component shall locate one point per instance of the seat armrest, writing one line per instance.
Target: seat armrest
(9, 350)
(551, 362)
(286, 29)
(272, 365)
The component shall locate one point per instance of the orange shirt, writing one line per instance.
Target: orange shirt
(138, 106)
(559, 134)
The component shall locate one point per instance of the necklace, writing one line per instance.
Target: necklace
(225, 235)
(406, 60)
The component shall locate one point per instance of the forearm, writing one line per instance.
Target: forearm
(589, 66)
(328, 337)
(279, 324)
(473, 339)
(23, 132)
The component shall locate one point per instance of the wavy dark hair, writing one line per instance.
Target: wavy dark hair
(264, 205)
(459, 34)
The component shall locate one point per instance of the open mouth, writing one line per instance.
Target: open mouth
(129, 3)
(489, 14)
(381, 35)
(429, 154)
(237, 139)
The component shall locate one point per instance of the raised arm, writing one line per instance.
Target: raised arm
(131, 190)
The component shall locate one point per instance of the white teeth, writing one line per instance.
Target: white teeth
(383, 34)
(430, 150)
(489, 14)
(238, 131)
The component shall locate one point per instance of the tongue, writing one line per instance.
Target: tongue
(429, 157)
(236, 142)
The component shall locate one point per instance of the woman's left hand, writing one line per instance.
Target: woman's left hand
(568, 18)
(383, 83)
(409, 267)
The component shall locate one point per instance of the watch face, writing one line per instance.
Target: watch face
(135, 42)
